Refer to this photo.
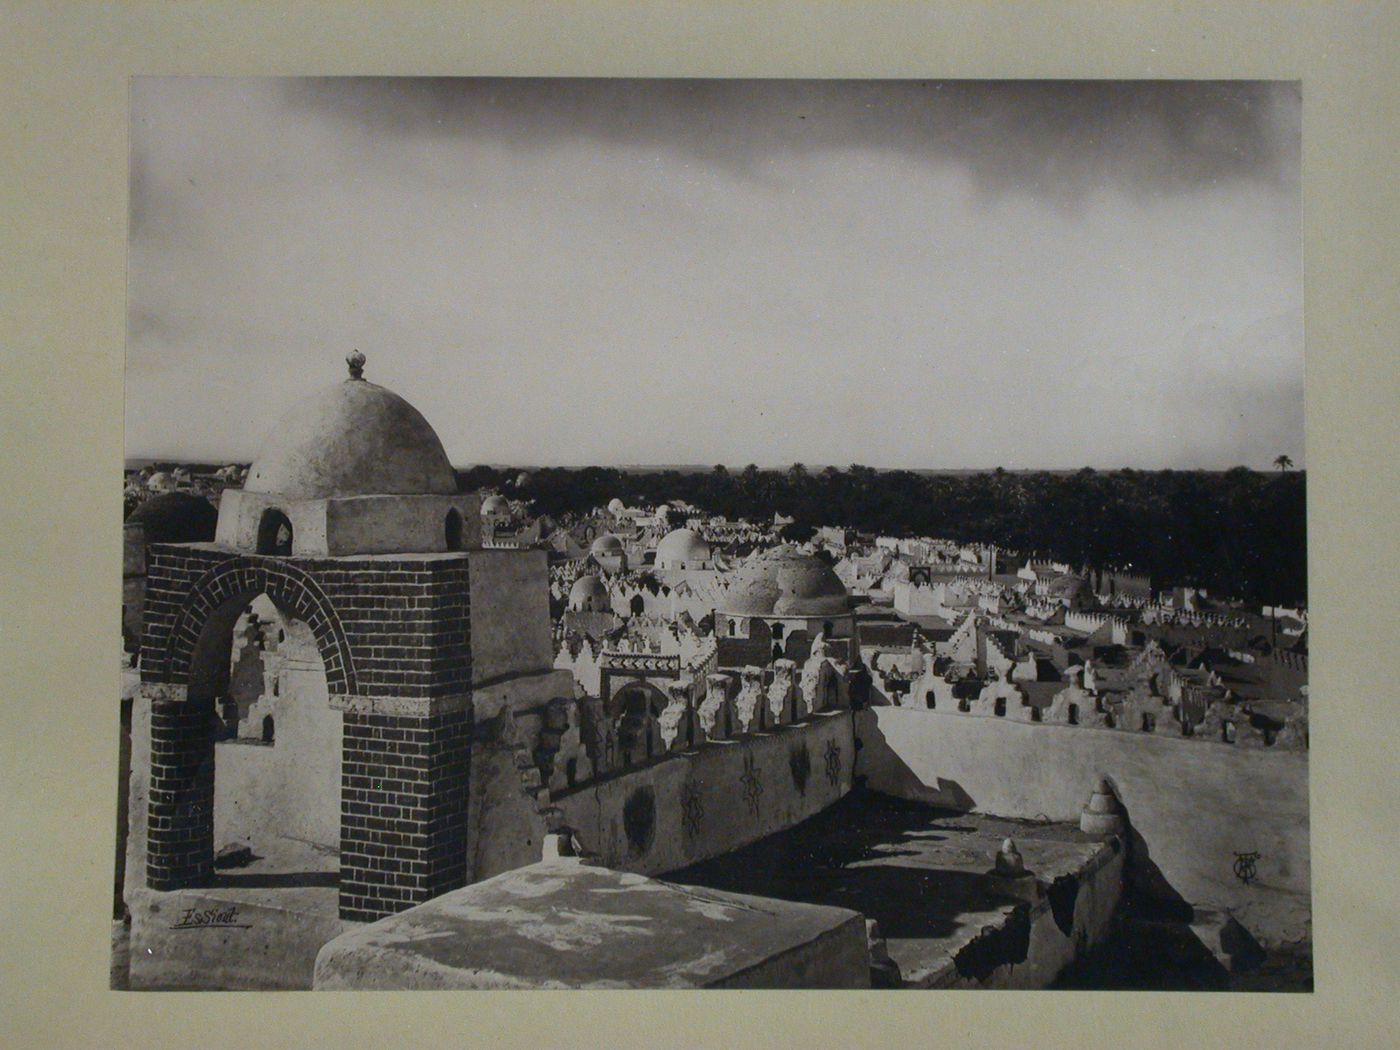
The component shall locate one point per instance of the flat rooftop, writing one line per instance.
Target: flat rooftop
(922, 873)
(563, 924)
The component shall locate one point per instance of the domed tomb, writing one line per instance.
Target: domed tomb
(176, 517)
(681, 549)
(785, 582)
(1069, 586)
(495, 505)
(353, 439)
(354, 469)
(779, 603)
(160, 483)
(607, 551)
(607, 543)
(589, 595)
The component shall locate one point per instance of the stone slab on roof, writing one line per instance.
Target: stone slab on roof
(564, 924)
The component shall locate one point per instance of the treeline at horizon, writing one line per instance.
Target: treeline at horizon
(1239, 533)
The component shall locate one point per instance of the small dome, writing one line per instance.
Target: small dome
(664, 509)
(176, 517)
(522, 479)
(495, 504)
(161, 482)
(354, 439)
(785, 582)
(607, 543)
(616, 506)
(1067, 586)
(681, 546)
(588, 592)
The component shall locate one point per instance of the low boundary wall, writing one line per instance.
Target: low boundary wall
(1195, 806)
(694, 805)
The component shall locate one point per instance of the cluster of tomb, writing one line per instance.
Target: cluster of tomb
(341, 657)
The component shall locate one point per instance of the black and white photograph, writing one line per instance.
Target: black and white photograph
(713, 534)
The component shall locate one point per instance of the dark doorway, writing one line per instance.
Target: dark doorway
(454, 530)
(275, 533)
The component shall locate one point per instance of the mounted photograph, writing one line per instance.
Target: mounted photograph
(703, 533)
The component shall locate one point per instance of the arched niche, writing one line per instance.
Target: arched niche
(277, 790)
(452, 529)
(275, 533)
(635, 711)
(281, 799)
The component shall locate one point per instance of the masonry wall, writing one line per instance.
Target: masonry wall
(511, 631)
(393, 633)
(1193, 804)
(402, 620)
(404, 811)
(691, 806)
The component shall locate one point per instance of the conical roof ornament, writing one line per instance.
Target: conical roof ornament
(1102, 815)
(356, 361)
(1009, 860)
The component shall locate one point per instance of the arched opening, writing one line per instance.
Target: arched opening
(637, 605)
(731, 628)
(930, 701)
(637, 709)
(275, 533)
(1148, 723)
(453, 530)
(827, 629)
(777, 632)
(828, 692)
(274, 747)
(1072, 715)
(999, 707)
(798, 646)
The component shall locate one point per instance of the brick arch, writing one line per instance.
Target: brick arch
(289, 587)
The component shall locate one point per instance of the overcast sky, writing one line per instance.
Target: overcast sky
(899, 274)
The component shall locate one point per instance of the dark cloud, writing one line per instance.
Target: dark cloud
(1054, 139)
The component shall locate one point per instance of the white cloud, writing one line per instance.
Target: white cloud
(682, 281)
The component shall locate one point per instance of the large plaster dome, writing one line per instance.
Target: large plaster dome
(785, 582)
(681, 547)
(354, 439)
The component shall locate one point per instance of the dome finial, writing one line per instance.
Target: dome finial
(356, 361)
